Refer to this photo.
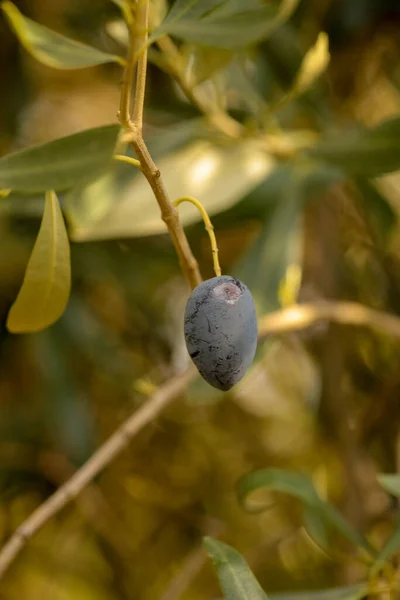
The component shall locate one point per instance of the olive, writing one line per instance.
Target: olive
(221, 330)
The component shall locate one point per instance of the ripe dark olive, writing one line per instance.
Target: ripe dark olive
(221, 330)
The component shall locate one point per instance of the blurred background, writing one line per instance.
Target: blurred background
(324, 400)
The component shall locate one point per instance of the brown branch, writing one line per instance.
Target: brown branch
(301, 316)
(100, 459)
(169, 214)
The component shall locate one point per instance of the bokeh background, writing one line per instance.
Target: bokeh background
(324, 400)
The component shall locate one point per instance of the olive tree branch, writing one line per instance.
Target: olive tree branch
(293, 318)
(300, 316)
(137, 53)
(100, 459)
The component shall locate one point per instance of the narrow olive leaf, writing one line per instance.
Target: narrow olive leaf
(299, 486)
(228, 24)
(277, 251)
(351, 592)
(52, 48)
(390, 483)
(316, 528)
(60, 164)
(234, 574)
(365, 152)
(392, 545)
(46, 286)
(313, 65)
(124, 6)
(382, 216)
(121, 4)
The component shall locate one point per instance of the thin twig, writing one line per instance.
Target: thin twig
(301, 316)
(100, 459)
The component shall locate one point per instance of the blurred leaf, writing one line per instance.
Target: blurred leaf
(391, 546)
(66, 408)
(235, 577)
(377, 208)
(316, 528)
(52, 48)
(219, 176)
(92, 200)
(118, 31)
(60, 164)
(224, 23)
(299, 486)
(245, 90)
(368, 152)
(45, 290)
(390, 483)
(123, 5)
(202, 62)
(351, 592)
(314, 64)
(277, 249)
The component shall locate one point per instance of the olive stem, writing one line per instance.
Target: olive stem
(209, 228)
(128, 159)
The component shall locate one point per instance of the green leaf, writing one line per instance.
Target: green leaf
(45, 290)
(390, 483)
(316, 528)
(219, 175)
(226, 24)
(235, 577)
(123, 5)
(378, 209)
(52, 48)
(368, 152)
(60, 164)
(313, 65)
(277, 251)
(392, 545)
(299, 486)
(351, 592)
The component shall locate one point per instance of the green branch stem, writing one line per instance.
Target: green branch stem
(137, 53)
(128, 160)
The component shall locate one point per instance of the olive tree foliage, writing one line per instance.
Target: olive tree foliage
(224, 154)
